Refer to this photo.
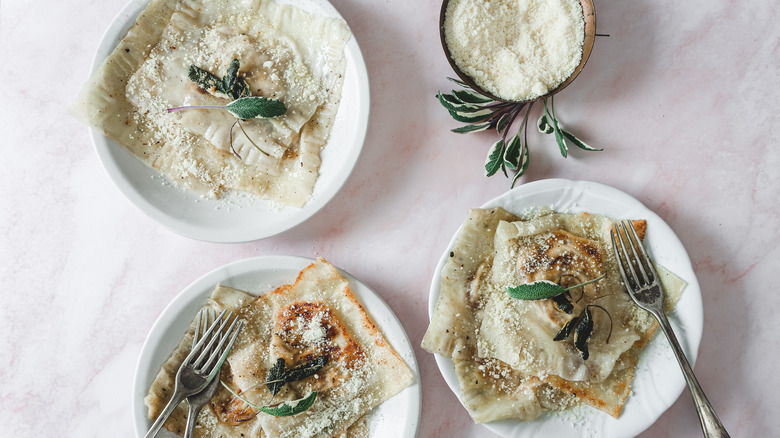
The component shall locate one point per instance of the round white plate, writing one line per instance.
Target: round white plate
(396, 417)
(242, 218)
(658, 380)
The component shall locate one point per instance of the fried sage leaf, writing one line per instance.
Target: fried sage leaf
(293, 407)
(582, 333)
(240, 89)
(231, 84)
(278, 375)
(205, 79)
(566, 330)
(229, 80)
(563, 304)
(276, 378)
(308, 369)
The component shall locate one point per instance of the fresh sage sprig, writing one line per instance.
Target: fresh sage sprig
(293, 407)
(284, 409)
(581, 325)
(543, 289)
(481, 113)
(278, 375)
(246, 108)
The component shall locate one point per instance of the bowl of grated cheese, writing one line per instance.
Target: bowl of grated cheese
(517, 50)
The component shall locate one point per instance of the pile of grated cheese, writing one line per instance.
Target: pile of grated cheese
(515, 49)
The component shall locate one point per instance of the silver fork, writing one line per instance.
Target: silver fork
(202, 365)
(644, 287)
(197, 401)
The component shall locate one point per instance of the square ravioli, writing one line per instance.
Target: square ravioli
(317, 316)
(506, 352)
(282, 53)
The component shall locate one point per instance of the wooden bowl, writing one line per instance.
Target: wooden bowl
(589, 15)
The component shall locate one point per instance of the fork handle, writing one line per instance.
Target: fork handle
(192, 417)
(710, 424)
(158, 423)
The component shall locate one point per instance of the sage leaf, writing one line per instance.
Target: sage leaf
(467, 108)
(503, 123)
(577, 142)
(494, 158)
(275, 378)
(467, 96)
(563, 334)
(522, 167)
(308, 369)
(278, 375)
(561, 143)
(582, 333)
(449, 101)
(452, 104)
(512, 152)
(563, 304)
(240, 89)
(535, 290)
(471, 128)
(256, 107)
(482, 115)
(556, 129)
(290, 408)
(461, 83)
(543, 125)
(204, 79)
(229, 80)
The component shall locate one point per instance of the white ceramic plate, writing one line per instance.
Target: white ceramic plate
(658, 380)
(244, 218)
(395, 418)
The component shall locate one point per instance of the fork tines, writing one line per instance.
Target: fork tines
(636, 269)
(626, 228)
(212, 347)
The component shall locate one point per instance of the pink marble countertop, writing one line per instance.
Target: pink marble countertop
(682, 96)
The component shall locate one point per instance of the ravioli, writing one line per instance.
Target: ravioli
(505, 358)
(284, 52)
(317, 315)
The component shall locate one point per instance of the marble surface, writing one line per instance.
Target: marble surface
(682, 96)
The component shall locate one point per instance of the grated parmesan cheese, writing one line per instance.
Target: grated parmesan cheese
(515, 49)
